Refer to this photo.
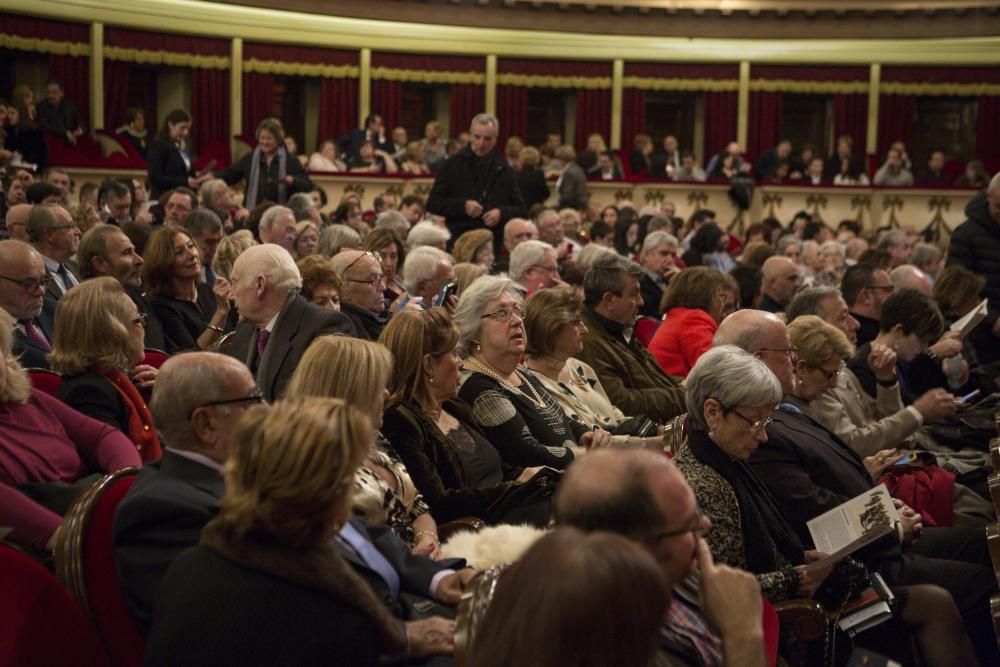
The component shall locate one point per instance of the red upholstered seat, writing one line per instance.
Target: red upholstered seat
(154, 357)
(42, 625)
(645, 329)
(45, 380)
(85, 561)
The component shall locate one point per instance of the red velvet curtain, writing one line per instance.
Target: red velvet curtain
(467, 99)
(116, 77)
(895, 120)
(719, 110)
(633, 116)
(512, 112)
(850, 117)
(338, 108)
(257, 97)
(593, 114)
(75, 77)
(209, 107)
(988, 133)
(765, 123)
(387, 101)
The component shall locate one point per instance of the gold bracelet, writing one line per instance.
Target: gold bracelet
(416, 536)
(216, 329)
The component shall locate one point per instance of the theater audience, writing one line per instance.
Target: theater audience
(335, 239)
(694, 304)
(192, 313)
(177, 205)
(97, 347)
(388, 245)
(892, 171)
(16, 221)
(58, 115)
(48, 452)
(466, 274)
(277, 226)
(22, 297)
(269, 171)
(508, 402)
(320, 284)
(134, 130)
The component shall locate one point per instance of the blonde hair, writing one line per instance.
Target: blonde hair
(340, 367)
(547, 312)
(85, 217)
(529, 157)
(469, 243)
(817, 341)
(409, 336)
(231, 247)
(92, 328)
(17, 386)
(291, 465)
(467, 273)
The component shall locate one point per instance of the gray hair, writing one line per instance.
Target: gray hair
(485, 119)
(41, 218)
(658, 222)
(301, 204)
(731, 376)
(591, 252)
(335, 238)
(925, 253)
(833, 245)
(394, 220)
(469, 312)
(606, 275)
(210, 191)
(787, 240)
(202, 220)
(891, 239)
(654, 240)
(810, 302)
(526, 255)
(422, 264)
(274, 263)
(271, 214)
(426, 233)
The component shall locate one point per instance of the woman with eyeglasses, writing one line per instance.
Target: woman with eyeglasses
(509, 403)
(49, 452)
(97, 346)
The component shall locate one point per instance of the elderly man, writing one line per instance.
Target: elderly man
(516, 231)
(53, 234)
(550, 229)
(106, 251)
(896, 244)
(865, 288)
(277, 226)
(395, 221)
(658, 259)
(713, 618)
(533, 267)
(361, 292)
(177, 205)
(477, 188)
(206, 231)
(909, 276)
(115, 200)
(426, 271)
(782, 278)
(809, 471)
(303, 208)
(276, 323)
(218, 196)
(198, 400)
(22, 295)
(632, 378)
(17, 221)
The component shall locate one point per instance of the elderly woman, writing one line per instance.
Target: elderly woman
(452, 463)
(231, 247)
(509, 403)
(427, 233)
(476, 247)
(48, 452)
(358, 371)
(694, 304)
(956, 292)
(306, 239)
(326, 159)
(320, 282)
(387, 244)
(193, 314)
(270, 172)
(97, 345)
(336, 238)
(555, 333)
(569, 574)
(266, 585)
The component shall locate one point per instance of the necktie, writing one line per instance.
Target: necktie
(262, 342)
(64, 275)
(35, 334)
(366, 551)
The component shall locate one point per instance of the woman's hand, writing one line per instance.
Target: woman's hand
(144, 376)
(882, 361)
(427, 545)
(811, 580)
(595, 439)
(221, 290)
(877, 465)
(947, 346)
(289, 180)
(528, 473)
(912, 522)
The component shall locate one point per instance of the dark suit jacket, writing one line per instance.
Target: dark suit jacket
(161, 516)
(183, 321)
(652, 295)
(52, 291)
(367, 324)
(95, 396)
(31, 355)
(298, 324)
(166, 168)
(154, 328)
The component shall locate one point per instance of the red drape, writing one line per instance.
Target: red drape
(73, 72)
(895, 120)
(765, 123)
(633, 116)
(467, 99)
(116, 77)
(338, 108)
(850, 117)
(209, 106)
(257, 92)
(593, 114)
(988, 133)
(719, 110)
(387, 101)
(512, 112)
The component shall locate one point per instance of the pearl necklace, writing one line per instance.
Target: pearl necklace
(535, 397)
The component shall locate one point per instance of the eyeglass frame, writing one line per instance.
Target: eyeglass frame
(24, 284)
(257, 396)
(789, 351)
(699, 530)
(371, 282)
(141, 319)
(830, 374)
(517, 309)
(756, 425)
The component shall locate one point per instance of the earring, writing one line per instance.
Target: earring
(479, 348)
(430, 379)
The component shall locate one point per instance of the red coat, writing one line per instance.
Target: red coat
(684, 335)
(930, 491)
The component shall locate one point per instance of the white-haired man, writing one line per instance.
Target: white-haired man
(533, 266)
(362, 291)
(276, 323)
(658, 259)
(426, 271)
(277, 226)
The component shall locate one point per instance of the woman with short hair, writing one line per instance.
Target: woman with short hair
(269, 170)
(320, 282)
(509, 403)
(474, 246)
(230, 247)
(337, 238)
(265, 585)
(97, 346)
(694, 304)
(306, 239)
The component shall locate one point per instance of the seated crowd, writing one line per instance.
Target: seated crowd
(651, 407)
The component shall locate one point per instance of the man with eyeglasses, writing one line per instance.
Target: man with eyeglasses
(715, 613)
(276, 324)
(533, 266)
(361, 292)
(23, 280)
(52, 232)
(865, 288)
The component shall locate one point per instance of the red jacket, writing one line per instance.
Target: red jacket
(684, 335)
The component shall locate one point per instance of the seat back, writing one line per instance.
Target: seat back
(45, 380)
(85, 562)
(154, 357)
(42, 625)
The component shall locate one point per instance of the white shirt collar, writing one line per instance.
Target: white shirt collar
(197, 458)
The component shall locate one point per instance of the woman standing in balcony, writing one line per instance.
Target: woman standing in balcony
(169, 161)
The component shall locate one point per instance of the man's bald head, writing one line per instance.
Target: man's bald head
(764, 335)
(17, 221)
(517, 231)
(781, 278)
(909, 276)
(19, 262)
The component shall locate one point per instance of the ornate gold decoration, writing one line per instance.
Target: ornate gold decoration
(172, 58)
(698, 199)
(710, 85)
(937, 227)
(427, 76)
(540, 81)
(422, 189)
(737, 223)
(395, 189)
(355, 188)
(301, 69)
(809, 87)
(891, 203)
(771, 200)
(652, 196)
(863, 204)
(817, 202)
(944, 89)
(19, 43)
(626, 195)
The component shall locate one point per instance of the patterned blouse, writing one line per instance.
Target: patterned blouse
(396, 506)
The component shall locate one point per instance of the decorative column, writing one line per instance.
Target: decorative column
(235, 91)
(491, 85)
(617, 86)
(874, 82)
(364, 86)
(743, 105)
(97, 76)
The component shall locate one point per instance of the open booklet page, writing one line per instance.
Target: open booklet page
(853, 525)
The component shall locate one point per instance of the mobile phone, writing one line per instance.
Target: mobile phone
(903, 461)
(447, 291)
(968, 397)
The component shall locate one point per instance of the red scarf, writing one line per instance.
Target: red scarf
(140, 422)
